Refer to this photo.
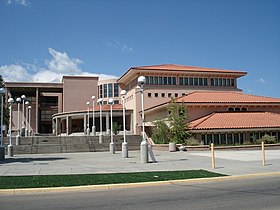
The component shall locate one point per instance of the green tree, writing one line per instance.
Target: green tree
(6, 111)
(161, 132)
(175, 128)
(116, 128)
(177, 119)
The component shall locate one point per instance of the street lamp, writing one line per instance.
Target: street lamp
(93, 117)
(26, 129)
(2, 148)
(144, 144)
(88, 130)
(124, 144)
(10, 146)
(112, 144)
(100, 114)
(18, 100)
(23, 97)
(29, 117)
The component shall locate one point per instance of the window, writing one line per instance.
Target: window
(169, 95)
(237, 109)
(181, 81)
(110, 90)
(230, 109)
(190, 81)
(173, 80)
(224, 82)
(165, 80)
(151, 80)
(116, 101)
(244, 109)
(169, 81)
(228, 82)
(212, 81)
(100, 91)
(163, 95)
(105, 102)
(149, 95)
(183, 94)
(116, 90)
(205, 81)
(232, 82)
(216, 81)
(200, 81)
(176, 95)
(186, 81)
(160, 81)
(220, 81)
(156, 95)
(156, 80)
(195, 81)
(105, 91)
(147, 80)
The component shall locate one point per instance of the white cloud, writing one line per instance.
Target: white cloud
(59, 65)
(261, 80)
(14, 73)
(116, 44)
(20, 2)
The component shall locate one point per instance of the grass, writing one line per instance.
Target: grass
(40, 181)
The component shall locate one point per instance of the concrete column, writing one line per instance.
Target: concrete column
(85, 124)
(131, 123)
(54, 126)
(107, 124)
(37, 111)
(67, 125)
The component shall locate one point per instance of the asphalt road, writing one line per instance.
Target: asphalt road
(256, 193)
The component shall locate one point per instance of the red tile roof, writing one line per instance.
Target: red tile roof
(185, 68)
(225, 97)
(237, 120)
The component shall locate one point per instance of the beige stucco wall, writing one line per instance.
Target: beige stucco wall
(77, 91)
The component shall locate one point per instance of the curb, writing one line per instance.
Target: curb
(130, 185)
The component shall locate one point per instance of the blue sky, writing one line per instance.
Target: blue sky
(41, 40)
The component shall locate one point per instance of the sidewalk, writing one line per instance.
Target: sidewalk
(227, 162)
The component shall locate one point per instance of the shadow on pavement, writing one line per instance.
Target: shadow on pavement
(28, 160)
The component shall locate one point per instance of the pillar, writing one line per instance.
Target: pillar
(107, 124)
(85, 124)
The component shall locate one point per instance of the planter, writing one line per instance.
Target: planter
(172, 147)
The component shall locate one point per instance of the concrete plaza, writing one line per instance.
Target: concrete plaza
(227, 162)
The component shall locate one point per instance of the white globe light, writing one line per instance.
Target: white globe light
(142, 80)
(123, 92)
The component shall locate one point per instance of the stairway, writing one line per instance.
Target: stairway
(68, 144)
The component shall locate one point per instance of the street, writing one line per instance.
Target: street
(255, 193)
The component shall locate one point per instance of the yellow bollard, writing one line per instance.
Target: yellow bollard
(213, 155)
(263, 154)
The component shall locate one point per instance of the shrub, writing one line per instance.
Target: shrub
(267, 139)
(161, 132)
(192, 141)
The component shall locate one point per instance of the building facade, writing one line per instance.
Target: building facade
(210, 95)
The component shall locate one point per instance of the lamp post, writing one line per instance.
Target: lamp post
(93, 117)
(18, 100)
(29, 118)
(26, 129)
(88, 130)
(10, 146)
(2, 148)
(23, 97)
(112, 144)
(100, 114)
(124, 144)
(144, 144)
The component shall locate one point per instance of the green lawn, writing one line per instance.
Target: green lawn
(14, 182)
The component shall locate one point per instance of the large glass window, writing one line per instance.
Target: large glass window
(116, 90)
(181, 81)
(110, 90)
(105, 91)
(100, 91)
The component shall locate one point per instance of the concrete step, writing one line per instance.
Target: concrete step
(61, 144)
